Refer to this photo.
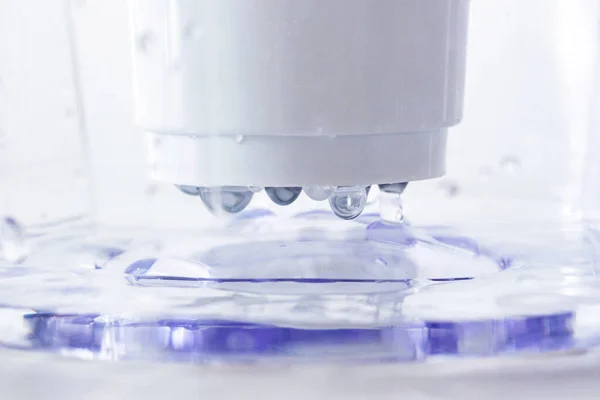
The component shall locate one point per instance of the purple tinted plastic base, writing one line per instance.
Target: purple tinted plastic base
(210, 340)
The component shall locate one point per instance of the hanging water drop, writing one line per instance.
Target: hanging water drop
(319, 193)
(239, 138)
(230, 199)
(391, 208)
(283, 196)
(348, 202)
(189, 190)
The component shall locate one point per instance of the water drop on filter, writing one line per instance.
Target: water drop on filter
(283, 196)
(231, 200)
(348, 202)
(391, 208)
(319, 193)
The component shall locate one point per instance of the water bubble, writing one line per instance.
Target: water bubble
(510, 163)
(189, 190)
(239, 138)
(193, 32)
(12, 241)
(283, 196)
(229, 199)
(348, 202)
(144, 42)
(319, 193)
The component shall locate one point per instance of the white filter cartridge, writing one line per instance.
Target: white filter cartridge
(296, 93)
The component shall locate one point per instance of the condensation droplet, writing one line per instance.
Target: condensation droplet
(239, 138)
(319, 193)
(193, 32)
(510, 163)
(255, 189)
(231, 200)
(144, 42)
(12, 241)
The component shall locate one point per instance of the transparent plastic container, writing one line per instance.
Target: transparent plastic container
(144, 148)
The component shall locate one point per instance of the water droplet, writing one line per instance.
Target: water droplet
(144, 42)
(189, 190)
(348, 202)
(450, 188)
(239, 138)
(193, 32)
(140, 267)
(319, 193)
(283, 196)
(510, 163)
(231, 199)
(12, 241)
(391, 207)
(255, 189)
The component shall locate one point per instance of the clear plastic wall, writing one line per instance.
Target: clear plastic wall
(510, 229)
